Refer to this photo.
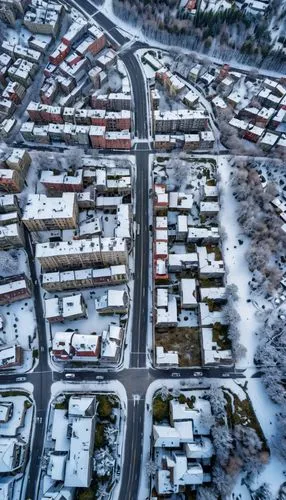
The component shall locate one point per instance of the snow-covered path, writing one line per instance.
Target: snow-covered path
(238, 273)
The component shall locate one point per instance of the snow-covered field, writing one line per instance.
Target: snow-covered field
(238, 272)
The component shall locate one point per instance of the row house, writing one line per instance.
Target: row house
(40, 44)
(18, 51)
(66, 84)
(7, 107)
(84, 278)
(107, 59)
(62, 182)
(74, 66)
(14, 288)
(43, 214)
(82, 253)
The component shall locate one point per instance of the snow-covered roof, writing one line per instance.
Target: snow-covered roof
(169, 314)
(83, 246)
(166, 357)
(180, 201)
(165, 435)
(40, 207)
(79, 406)
(78, 466)
(188, 292)
(180, 260)
(201, 448)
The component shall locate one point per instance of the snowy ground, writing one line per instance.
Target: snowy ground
(238, 273)
(266, 411)
(19, 317)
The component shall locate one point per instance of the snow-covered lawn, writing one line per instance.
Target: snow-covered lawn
(274, 472)
(234, 257)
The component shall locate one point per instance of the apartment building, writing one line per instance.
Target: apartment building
(111, 102)
(5, 63)
(43, 18)
(82, 253)
(13, 288)
(93, 43)
(14, 92)
(84, 278)
(19, 160)
(11, 236)
(75, 31)
(10, 181)
(8, 203)
(22, 71)
(43, 214)
(183, 120)
(59, 54)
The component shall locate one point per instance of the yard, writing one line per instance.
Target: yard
(186, 341)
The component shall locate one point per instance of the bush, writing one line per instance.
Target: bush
(160, 409)
(99, 438)
(105, 406)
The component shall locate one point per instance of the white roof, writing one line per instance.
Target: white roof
(13, 286)
(162, 297)
(161, 222)
(166, 357)
(182, 259)
(78, 405)
(200, 448)
(188, 292)
(83, 246)
(213, 293)
(168, 314)
(78, 466)
(59, 430)
(209, 206)
(181, 201)
(166, 435)
(180, 114)
(56, 467)
(182, 223)
(7, 355)
(39, 206)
